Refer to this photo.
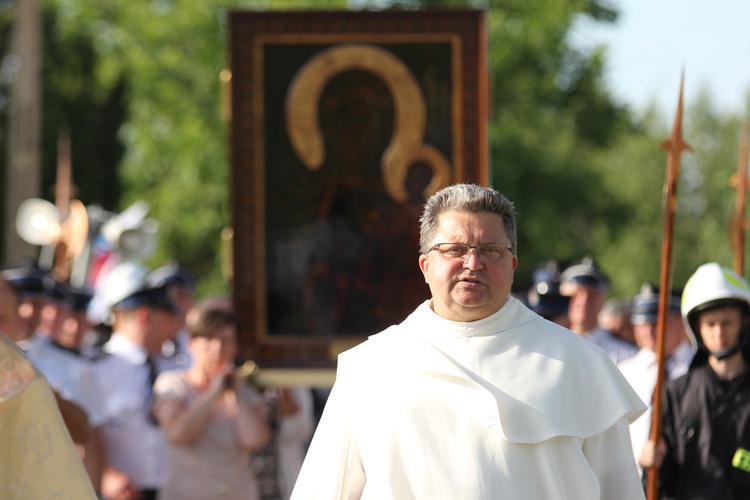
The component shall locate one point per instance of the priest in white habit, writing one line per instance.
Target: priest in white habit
(473, 396)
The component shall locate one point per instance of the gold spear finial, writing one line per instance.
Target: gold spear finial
(675, 145)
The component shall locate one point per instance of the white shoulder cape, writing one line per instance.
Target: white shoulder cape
(530, 380)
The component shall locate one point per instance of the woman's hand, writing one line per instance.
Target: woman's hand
(224, 378)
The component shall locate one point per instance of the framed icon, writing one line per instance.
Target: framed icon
(342, 124)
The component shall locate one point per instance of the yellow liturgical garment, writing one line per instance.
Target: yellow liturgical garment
(39, 460)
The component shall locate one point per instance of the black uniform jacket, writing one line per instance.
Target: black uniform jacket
(705, 420)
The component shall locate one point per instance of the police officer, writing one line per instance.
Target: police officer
(587, 287)
(69, 367)
(143, 318)
(641, 370)
(544, 297)
(182, 284)
(28, 282)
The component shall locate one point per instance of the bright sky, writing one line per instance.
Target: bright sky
(653, 40)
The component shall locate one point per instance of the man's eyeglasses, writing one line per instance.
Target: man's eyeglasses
(489, 251)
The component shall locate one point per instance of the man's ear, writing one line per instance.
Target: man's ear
(143, 314)
(424, 264)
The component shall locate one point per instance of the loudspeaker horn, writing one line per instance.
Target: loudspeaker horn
(139, 242)
(132, 234)
(38, 222)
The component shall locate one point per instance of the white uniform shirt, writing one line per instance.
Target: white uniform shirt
(640, 372)
(510, 406)
(618, 349)
(293, 435)
(134, 445)
(70, 374)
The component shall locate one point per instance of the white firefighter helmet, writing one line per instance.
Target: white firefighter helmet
(711, 285)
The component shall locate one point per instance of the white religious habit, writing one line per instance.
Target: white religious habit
(511, 406)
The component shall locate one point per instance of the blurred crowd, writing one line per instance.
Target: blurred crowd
(145, 379)
(144, 376)
(701, 451)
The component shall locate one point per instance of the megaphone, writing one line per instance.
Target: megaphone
(139, 242)
(38, 222)
(132, 234)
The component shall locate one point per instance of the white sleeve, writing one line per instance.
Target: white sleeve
(610, 455)
(333, 468)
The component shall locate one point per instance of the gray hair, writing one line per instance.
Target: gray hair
(465, 198)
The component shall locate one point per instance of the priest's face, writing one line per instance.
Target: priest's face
(473, 286)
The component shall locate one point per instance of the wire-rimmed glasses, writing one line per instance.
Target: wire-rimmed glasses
(488, 251)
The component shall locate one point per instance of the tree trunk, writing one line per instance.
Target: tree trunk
(24, 124)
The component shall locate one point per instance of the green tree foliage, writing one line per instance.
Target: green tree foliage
(170, 54)
(91, 111)
(74, 101)
(166, 56)
(141, 79)
(707, 198)
(551, 115)
(635, 169)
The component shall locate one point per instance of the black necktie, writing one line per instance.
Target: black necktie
(152, 373)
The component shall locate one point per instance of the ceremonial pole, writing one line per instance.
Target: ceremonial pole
(738, 225)
(63, 190)
(674, 146)
(74, 226)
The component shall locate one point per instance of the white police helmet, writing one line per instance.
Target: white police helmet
(122, 281)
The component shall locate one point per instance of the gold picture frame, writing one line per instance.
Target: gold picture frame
(342, 123)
